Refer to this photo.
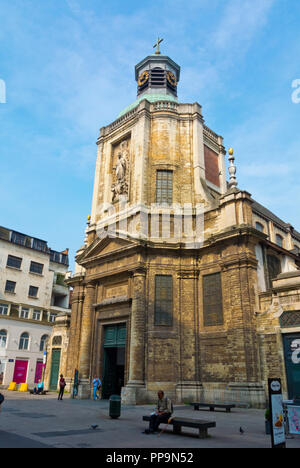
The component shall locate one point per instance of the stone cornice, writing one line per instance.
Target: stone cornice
(112, 301)
(160, 109)
(129, 267)
(187, 273)
(101, 258)
(240, 260)
(75, 280)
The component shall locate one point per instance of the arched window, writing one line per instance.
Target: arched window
(57, 341)
(24, 341)
(3, 338)
(260, 227)
(44, 341)
(279, 240)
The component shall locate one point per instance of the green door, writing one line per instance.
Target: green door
(55, 363)
(110, 372)
(292, 363)
(114, 360)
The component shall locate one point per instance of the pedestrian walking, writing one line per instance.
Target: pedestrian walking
(96, 387)
(1, 400)
(62, 384)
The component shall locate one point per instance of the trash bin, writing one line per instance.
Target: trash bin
(115, 406)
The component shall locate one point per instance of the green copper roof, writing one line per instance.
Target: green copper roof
(150, 98)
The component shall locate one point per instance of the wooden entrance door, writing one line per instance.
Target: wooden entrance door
(114, 360)
(55, 363)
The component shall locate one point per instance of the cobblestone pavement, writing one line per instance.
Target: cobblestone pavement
(42, 421)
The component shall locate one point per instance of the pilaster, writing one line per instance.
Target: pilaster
(86, 338)
(136, 382)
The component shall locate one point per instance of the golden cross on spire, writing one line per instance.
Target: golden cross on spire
(157, 46)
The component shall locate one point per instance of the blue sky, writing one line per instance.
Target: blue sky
(68, 66)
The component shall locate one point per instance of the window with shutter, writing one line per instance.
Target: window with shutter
(212, 300)
(163, 314)
(164, 187)
(274, 267)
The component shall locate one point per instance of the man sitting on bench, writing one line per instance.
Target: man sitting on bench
(162, 414)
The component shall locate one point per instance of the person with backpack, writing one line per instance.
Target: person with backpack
(62, 384)
(162, 413)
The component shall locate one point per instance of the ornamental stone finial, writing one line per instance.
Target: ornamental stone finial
(88, 222)
(232, 169)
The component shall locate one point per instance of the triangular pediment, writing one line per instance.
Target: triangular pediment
(102, 247)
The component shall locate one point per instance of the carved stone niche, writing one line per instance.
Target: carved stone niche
(120, 170)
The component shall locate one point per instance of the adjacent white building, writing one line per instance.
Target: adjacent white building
(32, 294)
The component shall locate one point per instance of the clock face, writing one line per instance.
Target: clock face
(171, 78)
(143, 78)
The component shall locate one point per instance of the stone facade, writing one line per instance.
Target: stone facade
(210, 229)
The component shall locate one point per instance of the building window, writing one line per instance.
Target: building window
(36, 315)
(33, 291)
(52, 317)
(274, 267)
(3, 338)
(24, 341)
(10, 286)
(164, 187)
(3, 309)
(297, 249)
(14, 262)
(24, 313)
(44, 342)
(36, 268)
(212, 300)
(163, 314)
(279, 240)
(59, 257)
(39, 245)
(260, 227)
(18, 238)
(57, 341)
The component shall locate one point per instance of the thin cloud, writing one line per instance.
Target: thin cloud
(240, 22)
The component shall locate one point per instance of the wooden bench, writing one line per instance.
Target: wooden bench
(199, 424)
(212, 406)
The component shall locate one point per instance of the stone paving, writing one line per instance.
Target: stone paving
(42, 421)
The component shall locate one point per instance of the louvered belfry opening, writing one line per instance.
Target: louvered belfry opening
(158, 78)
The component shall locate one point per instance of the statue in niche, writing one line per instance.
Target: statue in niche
(121, 185)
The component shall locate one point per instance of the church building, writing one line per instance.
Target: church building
(184, 283)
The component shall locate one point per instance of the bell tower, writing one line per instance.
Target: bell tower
(157, 75)
(157, 151)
